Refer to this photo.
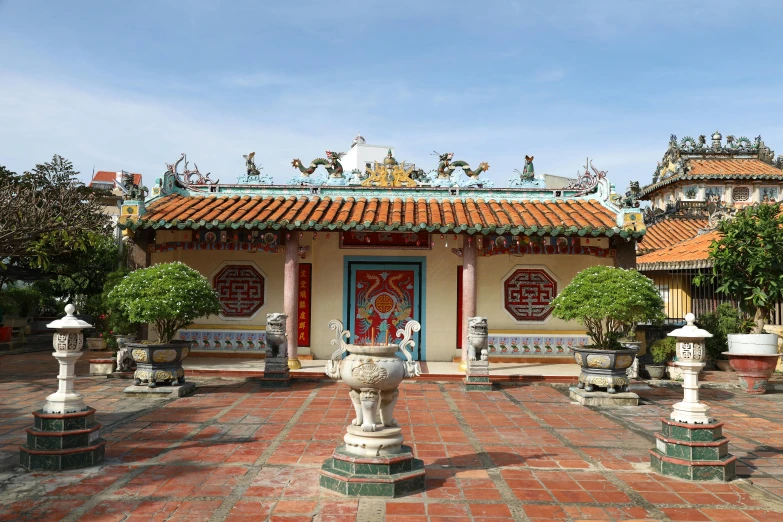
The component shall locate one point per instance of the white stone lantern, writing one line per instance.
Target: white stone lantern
(691, 352)
(68, 341)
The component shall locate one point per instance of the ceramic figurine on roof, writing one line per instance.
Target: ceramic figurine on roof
(526, 177)
(447, 173)
(253, 172)
(333, 167)
(133, 190)
(390, 174)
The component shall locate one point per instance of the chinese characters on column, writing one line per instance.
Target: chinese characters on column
(303, 315)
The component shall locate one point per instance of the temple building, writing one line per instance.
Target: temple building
(695, 185)
(381, 244)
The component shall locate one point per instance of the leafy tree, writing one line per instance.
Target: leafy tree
(46, 212)
(725, 320)
(84, 272)
(169, 295)
(609, 302)
(747, 260)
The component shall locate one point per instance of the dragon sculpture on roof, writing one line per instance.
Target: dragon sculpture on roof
(446, 167)
(331, 162)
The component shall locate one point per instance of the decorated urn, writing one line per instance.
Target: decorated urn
(373, 373)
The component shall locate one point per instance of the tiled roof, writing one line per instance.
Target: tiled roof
(730, 167)
(106, 176)
(691, 253)
(554, 217)
(718, 168)
(669, 232)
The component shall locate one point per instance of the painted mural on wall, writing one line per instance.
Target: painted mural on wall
(245, 241)
(240, 289)
(410, 240)
(305, 303)
(528, 294)
(535, 345)
(384, 302)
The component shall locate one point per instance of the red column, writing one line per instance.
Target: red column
(290, 295)
(469, 261)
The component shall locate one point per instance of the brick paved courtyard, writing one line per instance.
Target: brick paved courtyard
(235, 451)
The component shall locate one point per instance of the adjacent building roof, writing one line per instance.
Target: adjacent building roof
(691, 253)
(397, 212)
(669, 232)
(105, 176)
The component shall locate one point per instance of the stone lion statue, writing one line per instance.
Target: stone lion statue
(276, 339)
(477, 337)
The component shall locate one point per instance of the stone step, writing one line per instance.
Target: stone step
(691, 432)
(693, 451)
(375, 466)
(61, 440)
(59, 422)
(722, 469)
(56, 460)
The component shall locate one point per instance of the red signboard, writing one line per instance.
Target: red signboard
(305, 300)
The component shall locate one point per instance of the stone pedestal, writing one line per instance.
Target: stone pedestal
(599, 398)
(380, 476)
(276, 373)
(62, 441)
(477, 377)
(64, 433)
(693, 452)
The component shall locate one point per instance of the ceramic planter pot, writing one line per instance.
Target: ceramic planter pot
(724, 365)
(656, 371)
(96, 344)
(756, 344)
(604, 368)
(753, 371)
(159, 363)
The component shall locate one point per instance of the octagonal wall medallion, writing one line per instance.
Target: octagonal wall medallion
(528, 292)
(241, 289)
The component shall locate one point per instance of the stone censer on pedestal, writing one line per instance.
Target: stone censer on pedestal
(373, 461)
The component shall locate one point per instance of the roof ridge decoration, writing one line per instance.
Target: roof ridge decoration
(390, 174)
(525, 177)
(673, 162)
(253, 172)
(187, 179)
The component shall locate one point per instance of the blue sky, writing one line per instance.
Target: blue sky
(130, 85)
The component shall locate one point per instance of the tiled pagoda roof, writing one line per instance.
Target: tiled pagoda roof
(669, 232)
(691, 253)
(387, 212)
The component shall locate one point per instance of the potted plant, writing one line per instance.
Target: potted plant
(721, 322)
(170, 296)
(662, 351)
(609, 302)
(746, 266)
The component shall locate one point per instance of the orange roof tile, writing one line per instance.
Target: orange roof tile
(316, 212)
(691, 253)
(669, 232)
(106, 176)
(730, 167)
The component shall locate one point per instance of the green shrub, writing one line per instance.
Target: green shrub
(170, 296)
(609, 302)
(27, 300)
(8, 305)
(663, 350)
(723, 321)
(118, 321)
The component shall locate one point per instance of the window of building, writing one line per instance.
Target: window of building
(741, 194)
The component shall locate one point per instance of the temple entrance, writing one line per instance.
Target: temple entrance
(382, 295)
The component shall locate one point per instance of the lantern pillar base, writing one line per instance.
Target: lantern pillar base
(62, 441)
(690, 413)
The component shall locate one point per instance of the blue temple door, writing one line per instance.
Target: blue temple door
(382, 295)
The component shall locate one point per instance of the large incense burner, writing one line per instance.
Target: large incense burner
(373, 373)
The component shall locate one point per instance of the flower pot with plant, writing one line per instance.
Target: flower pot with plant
(170, 296)
(609, 302)
(746, 267)
(662, 351)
